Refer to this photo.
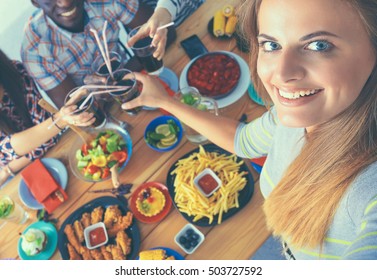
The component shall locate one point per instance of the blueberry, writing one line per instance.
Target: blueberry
(189, 232)
(183, 240)
(187, 245)
(195, 236)
(193, 243)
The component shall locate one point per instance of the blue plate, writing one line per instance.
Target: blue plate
(105, 201)
(170, 78)
(56, 169)
(169, 253)
(257, 167)
(52, 241)
(244, 195)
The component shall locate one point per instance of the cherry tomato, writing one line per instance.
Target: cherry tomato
(85, 148)
(91, 169)
(119, 156)
(105, 173)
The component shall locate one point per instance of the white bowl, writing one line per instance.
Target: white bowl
(91, 228)
(186, 232)
(205, 172)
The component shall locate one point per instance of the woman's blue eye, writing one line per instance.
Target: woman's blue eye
(319, 46)
(269, 46)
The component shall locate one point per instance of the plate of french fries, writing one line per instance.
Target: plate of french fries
(236, 190)
(124, 236)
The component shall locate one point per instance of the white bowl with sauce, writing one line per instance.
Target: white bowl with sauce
(207, 182)
(95, 235)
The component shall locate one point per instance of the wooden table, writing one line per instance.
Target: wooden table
(236, 238)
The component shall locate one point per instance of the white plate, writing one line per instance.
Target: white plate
(56, 169)
(237, 92)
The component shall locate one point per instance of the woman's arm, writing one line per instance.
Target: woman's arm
(25, 141)
(219, 130)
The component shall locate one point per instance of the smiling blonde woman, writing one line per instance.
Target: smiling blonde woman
(316, 61)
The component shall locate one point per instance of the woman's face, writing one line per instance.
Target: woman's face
(314, 58)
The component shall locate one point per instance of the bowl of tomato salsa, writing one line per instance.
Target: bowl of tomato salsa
(91, 160)
(207, 182)
(214, 74)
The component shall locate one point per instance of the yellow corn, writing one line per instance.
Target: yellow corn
(228, 11)
(230, 26)
(219, 24)
(152, 255)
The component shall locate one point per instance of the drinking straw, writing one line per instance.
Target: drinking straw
(101, 50)
(165, 25)
(107, 49)
(100, 92)
(97, 87)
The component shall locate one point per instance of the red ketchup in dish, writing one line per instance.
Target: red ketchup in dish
(97, 236)
(207, 183)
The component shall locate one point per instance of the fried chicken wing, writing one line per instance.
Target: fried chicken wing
(117, 253)
(86, 220)
(112, 215)
(124, 242)
(85, 253)
(79, 230)
(73, 255)
(96, 215)
(96, 254)
(72, 238)
(123, 223)
(106, 252)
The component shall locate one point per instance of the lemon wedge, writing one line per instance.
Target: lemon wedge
(163, 129)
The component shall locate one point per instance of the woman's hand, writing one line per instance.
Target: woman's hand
(153, 93)
(67, 116)
(4, 175)
(160, 17)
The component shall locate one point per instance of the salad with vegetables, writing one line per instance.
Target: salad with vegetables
(95, 158)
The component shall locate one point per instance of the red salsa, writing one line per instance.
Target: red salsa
(207, 183)
(97, 236)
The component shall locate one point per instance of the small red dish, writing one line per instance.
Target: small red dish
(142, 218)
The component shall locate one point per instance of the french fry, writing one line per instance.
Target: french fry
(190, 201)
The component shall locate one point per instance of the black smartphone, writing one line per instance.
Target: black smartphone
(193, 46)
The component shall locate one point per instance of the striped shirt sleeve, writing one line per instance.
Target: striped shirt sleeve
(254, 139)
(364, 247)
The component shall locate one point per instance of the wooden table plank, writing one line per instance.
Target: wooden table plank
(236, 238)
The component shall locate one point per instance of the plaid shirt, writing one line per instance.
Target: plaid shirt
(50, 53)
(37, 114)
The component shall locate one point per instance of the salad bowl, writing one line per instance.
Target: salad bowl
(92, 160)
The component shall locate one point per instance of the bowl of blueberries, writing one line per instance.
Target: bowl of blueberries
(189, 238)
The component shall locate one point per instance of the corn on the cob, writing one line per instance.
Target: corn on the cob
(228, 11)
(219, 24)
(158, 254)
(230, 26)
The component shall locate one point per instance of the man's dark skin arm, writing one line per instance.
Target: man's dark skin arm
(143, 14)
(58, 93)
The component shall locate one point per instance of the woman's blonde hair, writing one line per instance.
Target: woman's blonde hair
(302, 206)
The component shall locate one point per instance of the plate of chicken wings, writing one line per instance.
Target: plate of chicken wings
(124, 236)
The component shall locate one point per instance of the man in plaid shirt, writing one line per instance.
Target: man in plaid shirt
(58, 48)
